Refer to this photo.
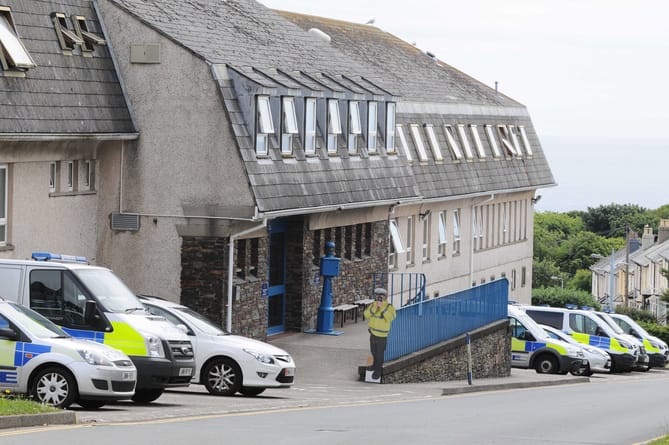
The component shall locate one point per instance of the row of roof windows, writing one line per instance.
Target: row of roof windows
(370, 125)
(15, 57)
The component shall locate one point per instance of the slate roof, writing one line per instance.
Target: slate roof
(63, 94)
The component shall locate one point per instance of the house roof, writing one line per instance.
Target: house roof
(63, 94)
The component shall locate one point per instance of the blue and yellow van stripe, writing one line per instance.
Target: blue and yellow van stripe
(122, 336)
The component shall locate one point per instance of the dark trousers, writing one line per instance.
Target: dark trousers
(377, 345)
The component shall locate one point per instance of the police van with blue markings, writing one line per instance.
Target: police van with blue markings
(585, 327)
(40, 359)
(532, 348)
(91, 302)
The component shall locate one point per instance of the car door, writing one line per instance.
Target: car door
(521, 349)
(9, 371)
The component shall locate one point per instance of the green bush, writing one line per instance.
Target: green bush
(637, 314)
(659, 331)
(557, 297)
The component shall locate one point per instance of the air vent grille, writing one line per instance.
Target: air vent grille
(125, 221)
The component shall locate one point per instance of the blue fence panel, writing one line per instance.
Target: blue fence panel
(403, 287)
(429, 322)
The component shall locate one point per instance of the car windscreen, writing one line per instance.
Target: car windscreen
(111, 293)
(38, 325)
(200, 321)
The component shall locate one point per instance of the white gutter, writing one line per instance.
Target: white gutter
(231, 270)
(337, 207)
(471, 238)
(42, 137)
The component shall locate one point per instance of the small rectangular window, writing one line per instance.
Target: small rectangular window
(12, 52)
(67, 38)
(426, 237)
(289, 125)
(3, 205)
(403, 141)
(418, 141)
(264, 125)
(465, 142)
(86, 175)
(493, 141)
(372, 122)
(390, 127)
(410, 235)
(69, 176)
(477, 141)
(443, 239)
(241, 259)
(456, 231)
(395, 236)
(434, 144)
(53, 172)
(310, 126)
(526, 141)
(334, 125)
(452, 142)
(354, 126)
(88, 38)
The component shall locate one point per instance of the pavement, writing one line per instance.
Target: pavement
(326, 376)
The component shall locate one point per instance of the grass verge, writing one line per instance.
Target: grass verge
(18, 406)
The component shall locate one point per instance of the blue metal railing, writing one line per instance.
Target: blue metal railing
(403, 288)
(429, 322)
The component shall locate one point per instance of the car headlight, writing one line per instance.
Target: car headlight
(654, 344)
(624, 344)
(262, 358)
(154, 345)
(95, 358)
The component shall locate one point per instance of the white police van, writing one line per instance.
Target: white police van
(40, 359)
(91, 302)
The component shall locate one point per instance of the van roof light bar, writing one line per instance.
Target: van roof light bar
(48, 256)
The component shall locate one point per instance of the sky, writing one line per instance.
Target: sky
(593, 75)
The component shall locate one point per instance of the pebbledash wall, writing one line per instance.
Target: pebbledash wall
(490, 346)
(204, 275)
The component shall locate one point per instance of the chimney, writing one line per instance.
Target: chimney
(648, 239)
(663, 232)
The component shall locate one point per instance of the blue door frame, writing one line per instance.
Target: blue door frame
(276, 290)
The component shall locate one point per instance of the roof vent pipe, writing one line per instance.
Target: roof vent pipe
(320, 35)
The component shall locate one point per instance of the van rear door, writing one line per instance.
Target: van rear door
(10, 282)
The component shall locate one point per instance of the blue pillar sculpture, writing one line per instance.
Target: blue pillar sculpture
(329, 269)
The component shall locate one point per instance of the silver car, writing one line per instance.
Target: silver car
(598, 360)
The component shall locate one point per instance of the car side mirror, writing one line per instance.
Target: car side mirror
(90, 310)
(183, 328)
(528, 336)
(9, 333)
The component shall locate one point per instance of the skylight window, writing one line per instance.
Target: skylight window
(505, 137)
(334, 125)
(452, 142)
(354, 126)
(67, 38)
(310, 126)
(514, 140)
(390, 127)
(526, 141)
(372, 123)
(403, 141)
(264, 125)
(12, 52)
(418, 141)
(434, 144)
(465, 142)
(477, 141)
(493, 141)
(289, 125)
(88, 38)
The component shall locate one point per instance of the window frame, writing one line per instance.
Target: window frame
(492, 140)
(395, 237)
(53, 176)
(507, 142)
(372, 126)
(464, 140)
(443, 235)
(410, 254)
(333, 125)
(88, 38)
(452, 142)
(478, 144)
(4, 196)
(18, 56)
(289, 126)
(526, 141)
(354, 125)
(456, 231)
(67, 38)
(403, 141)
(391, 127)
(434, 144)
(310, 125)
(69, 176)
(427, 237)
(264, 124)
(418, 142)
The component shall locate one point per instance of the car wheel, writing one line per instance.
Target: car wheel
(222, 377)
(147, 395)
(546, 364)
(250, 391)
(55, 386)
(91, 404)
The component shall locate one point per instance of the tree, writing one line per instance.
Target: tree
(582, 280)
(612, 220)
(542, 271)
(557, 297)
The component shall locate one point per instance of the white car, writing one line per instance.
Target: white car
(40, 359)
(598, 360)
(226, 364)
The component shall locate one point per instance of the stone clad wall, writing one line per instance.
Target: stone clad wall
(446, 361)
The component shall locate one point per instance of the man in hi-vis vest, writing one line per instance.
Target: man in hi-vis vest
(380, 315)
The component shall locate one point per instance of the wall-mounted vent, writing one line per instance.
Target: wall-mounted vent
(149, 53)
(124, 221)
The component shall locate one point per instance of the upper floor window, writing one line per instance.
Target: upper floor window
(434, 144)
(526, 141)
(452, 142)
(13, 55)
(514, 139)
(390, 127)
(403, 141)
(465, 142)
(443, 238)
(456, 231)
(264, 125)
(354, 126)
(418, 141)
(410, 236)
(288, 125)
(426, 237)
(3, 204)
(88, 38)
(395, 247)
(53, 176)
(507, 142)
(69, 176)
(86, 175)
(67, 38)
(310, 126)
(372, 123)
(334, 125)
(493, 141)
(477, 141)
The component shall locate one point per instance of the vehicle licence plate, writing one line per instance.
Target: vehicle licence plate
(185, 372)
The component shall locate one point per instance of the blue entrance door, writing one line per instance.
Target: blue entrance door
(276, 300)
